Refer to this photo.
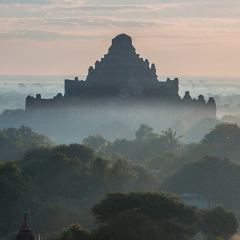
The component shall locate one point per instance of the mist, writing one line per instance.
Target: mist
(108, 121)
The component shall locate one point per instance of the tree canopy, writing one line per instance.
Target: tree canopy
(214, 178)
(145, 132)
(76, 231)
(17, 191)
(95, 142)
(222, 141)
(170, 218)
(218, 222)
(14, 142)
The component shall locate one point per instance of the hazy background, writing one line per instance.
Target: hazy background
(44, 42)
(15, 88)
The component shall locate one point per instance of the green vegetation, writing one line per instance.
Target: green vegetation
(218, 222)
(144, 215)
(95, 142)
(224, 140)
(14, 142)
(77, 232)
(15, 189)
(167, 163)
(60, 184)
(172, 141)
(213, 178)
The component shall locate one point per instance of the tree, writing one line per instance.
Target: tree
(77, 232)
(56, 175)
(123, 175)
(162, 162)
(100, 169)
(167, 163)
(172, 141)
(213, 178)
(163, 213)
(84, 153)
(218, 222)
(223, 141)
(139, 149)
(145, 132)
(17, 191)
(14, 142)
(129, 225)
(95, 142)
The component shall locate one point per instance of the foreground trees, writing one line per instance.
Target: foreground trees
(144, 215)
(218, 222)
(62, 182)
(213, 178)
(152, 215)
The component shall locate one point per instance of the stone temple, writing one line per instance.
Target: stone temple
(125, 82)
(121, 73)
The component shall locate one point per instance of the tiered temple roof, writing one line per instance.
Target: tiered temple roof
(25, 231)
(122, 64)
(121, 73)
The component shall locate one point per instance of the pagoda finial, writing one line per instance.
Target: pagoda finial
(25, 222)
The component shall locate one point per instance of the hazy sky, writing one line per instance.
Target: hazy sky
(191, 37)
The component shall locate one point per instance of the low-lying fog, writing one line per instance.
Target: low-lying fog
(225, 90)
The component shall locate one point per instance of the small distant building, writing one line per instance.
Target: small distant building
(25, 231)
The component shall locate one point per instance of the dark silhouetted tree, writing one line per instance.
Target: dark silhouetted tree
(213, 178)
(163, 214)
(77, 232)
(218, 222)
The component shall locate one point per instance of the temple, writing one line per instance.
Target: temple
(123, 78)
(25, 231)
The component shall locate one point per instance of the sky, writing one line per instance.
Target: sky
(61, 37)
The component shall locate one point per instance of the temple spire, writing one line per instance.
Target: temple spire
(25, 222)
(25, 231)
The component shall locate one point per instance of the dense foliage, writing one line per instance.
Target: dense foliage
(17, 192)
(218, 222)
(59, 184)
(160, 212)
(14, 142)
(76, 231)
(213, 178)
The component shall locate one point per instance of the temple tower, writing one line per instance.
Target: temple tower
(25, 231)
(120, 65)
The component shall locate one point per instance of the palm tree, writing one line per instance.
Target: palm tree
(173, 142)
